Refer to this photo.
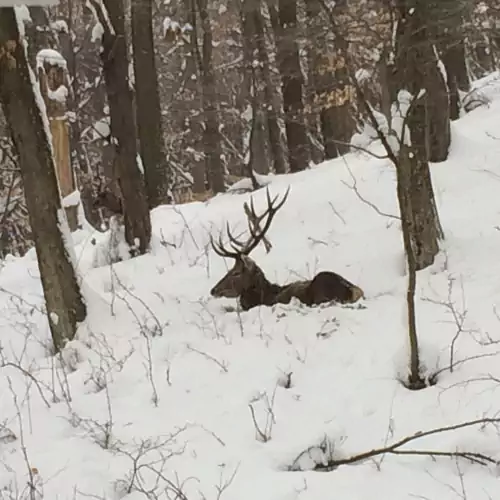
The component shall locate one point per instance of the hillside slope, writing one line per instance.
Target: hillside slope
(162, 375)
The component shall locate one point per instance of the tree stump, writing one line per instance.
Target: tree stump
(52, 75)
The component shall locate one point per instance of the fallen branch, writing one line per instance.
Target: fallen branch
(395, 449)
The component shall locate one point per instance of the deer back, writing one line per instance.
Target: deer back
(329, 286)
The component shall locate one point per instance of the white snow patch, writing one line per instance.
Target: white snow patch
(72, 200)
(60, 94)
(161, 368)
(52, 57)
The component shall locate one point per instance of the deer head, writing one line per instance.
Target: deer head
(245, 274)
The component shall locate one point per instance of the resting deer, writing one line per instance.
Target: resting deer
(247, 281)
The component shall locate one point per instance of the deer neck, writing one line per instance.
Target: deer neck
(260, 292)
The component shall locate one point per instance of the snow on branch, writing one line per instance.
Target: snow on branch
(101, 16)
(50, 57)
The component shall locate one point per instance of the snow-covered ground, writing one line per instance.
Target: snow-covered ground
(163, 385)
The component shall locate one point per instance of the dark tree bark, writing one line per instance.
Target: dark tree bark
(65, 306)
(191, 113)
(271, 99)
(211, 132)
(115, 69)
(39, 34)
(148, 107)
(266, 142)
(259, 151)
(427, 117)
(292, 82)
(453, 57)
(450, 34)
(334, 95)
(418, 71)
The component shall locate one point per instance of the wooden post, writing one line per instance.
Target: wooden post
(52, 75)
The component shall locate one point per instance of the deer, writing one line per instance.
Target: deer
(246, 280)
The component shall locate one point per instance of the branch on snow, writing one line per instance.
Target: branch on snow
(322, 458)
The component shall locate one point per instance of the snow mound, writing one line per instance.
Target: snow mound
(166, 388)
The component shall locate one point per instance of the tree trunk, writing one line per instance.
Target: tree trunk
(418, 71)
(211, 133)
(148, 107)
(80, 161)
(115, 69)
(404, 189)
(292, 87)
(450, 33)
(427, 118)
(272, 105)
(453, 57)
(39, 34)
(334, 96)
(65, 306)
(259, 150)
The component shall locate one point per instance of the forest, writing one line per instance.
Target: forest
(246, 242)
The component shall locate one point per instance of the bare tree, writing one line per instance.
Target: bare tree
(211, 132)
(271, 99)
(148, 106)
(111, 15)
(65, 307)
(420, 223)
(292, 81)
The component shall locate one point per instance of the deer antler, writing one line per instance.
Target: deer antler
(257, 233)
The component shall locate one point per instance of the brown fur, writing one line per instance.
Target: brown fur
(247, 281)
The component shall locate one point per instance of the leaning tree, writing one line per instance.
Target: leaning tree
(20, 98)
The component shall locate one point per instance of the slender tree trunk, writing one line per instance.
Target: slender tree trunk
(428, 123)
(148, 107)
(115, 69)
(211, 133)
(259, 160)
(272, 105)
(292, 82)
(450, 33)
(454, 61)
(65, 306)
(404, 189)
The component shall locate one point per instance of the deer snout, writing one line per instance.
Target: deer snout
(215, 292)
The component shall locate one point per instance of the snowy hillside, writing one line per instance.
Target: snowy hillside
(165, 386)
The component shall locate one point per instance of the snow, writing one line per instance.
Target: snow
(163, 376)
(50, 56)
(60, 25)
(60, 94)
(92, 5)
(72, 200)
(97, 32)
(66, 236)
(101, 129)
(23, 16)
(170, 25)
